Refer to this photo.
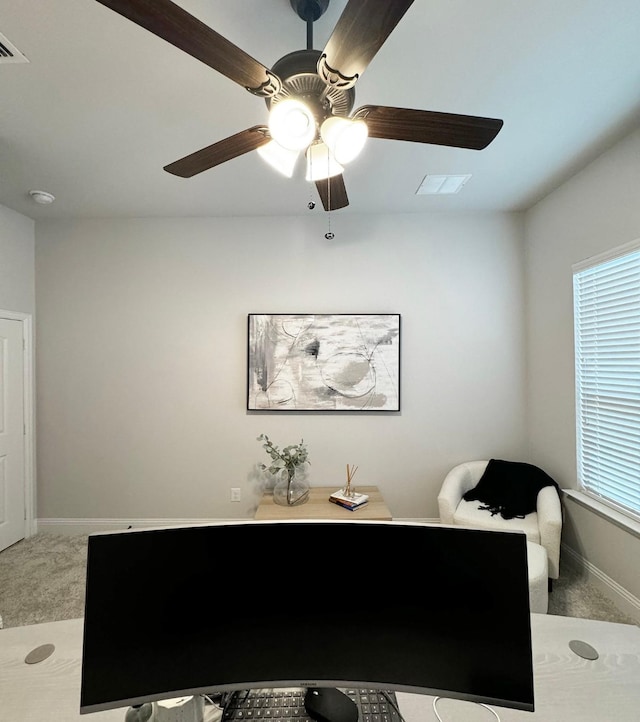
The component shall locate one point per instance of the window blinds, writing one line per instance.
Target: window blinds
(607, 355)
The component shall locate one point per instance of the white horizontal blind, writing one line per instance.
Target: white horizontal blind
(606, 294)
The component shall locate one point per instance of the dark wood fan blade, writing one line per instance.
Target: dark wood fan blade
(175, 25)
(425, 126)
(358, 35)
(333, 193)
(227, 149)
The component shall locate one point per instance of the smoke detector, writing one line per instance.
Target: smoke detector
(42, 197)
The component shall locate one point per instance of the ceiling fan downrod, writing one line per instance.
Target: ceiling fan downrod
(310, 11)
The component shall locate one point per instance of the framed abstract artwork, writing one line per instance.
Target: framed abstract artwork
(323, 362)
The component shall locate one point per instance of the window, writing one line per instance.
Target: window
(606, 293)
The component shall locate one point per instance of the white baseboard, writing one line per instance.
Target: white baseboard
(89, 526)
(621, 597)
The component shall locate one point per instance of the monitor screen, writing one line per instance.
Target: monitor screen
(384, 605)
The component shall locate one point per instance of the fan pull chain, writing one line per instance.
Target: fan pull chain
(329, 235)
(311, 204)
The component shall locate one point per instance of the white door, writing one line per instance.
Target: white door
(12, 441)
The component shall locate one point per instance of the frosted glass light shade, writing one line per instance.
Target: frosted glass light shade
(345, 137)
(321, 163)
(280, 158)
(292, 124)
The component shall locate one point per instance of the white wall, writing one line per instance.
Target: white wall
(596, 210)
(17, 242)
(142, 356)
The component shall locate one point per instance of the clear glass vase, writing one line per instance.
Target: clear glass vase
(291, 487)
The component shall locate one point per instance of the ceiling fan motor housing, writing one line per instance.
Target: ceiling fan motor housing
(299, 74)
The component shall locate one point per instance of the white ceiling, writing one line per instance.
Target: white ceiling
(103, 105)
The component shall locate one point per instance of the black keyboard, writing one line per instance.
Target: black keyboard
(276, 705)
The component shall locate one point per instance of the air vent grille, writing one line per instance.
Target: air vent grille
(442, 184)
(9, 53)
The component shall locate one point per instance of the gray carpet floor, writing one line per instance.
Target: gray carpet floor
(42, 579)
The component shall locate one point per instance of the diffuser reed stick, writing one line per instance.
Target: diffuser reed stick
(351, 471)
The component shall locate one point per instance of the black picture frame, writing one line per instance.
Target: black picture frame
(323, 362)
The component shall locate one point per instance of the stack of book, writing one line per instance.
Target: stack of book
(349, 501)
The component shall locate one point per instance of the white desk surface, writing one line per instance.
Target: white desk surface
(567, 687)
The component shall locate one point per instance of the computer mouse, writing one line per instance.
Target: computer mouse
(328, 704)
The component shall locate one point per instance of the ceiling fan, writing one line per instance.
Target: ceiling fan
(310, 93)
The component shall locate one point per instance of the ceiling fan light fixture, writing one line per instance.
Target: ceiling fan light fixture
(345, 137)
(321, 163)
(304, 88)
(279, 157)
(292, 124)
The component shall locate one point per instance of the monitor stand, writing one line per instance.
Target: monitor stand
(327, 704)
(177, 709)
(139, 713)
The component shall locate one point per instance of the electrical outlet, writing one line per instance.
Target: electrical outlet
(235, 493)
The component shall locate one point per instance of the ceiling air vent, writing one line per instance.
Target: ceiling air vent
(442, 184)
(9, 53)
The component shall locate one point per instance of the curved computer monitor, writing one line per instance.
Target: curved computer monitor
(384, 605)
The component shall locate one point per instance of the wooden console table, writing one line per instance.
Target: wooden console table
(319, 506)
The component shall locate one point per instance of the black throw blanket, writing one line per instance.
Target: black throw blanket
(510, 488)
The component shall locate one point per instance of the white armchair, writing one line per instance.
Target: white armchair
(543, 526)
